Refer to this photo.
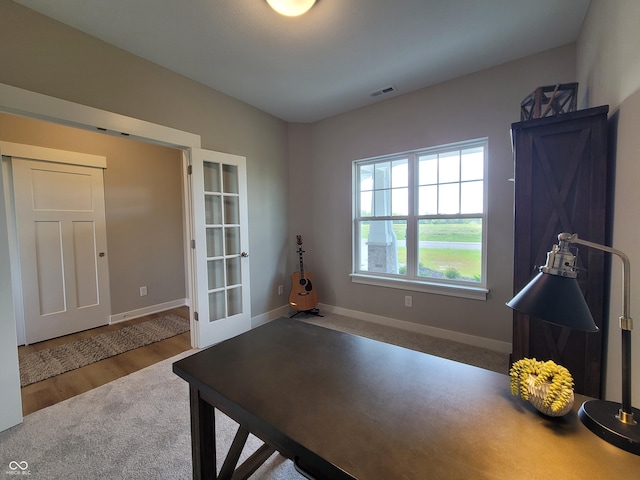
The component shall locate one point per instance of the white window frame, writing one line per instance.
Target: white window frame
(410, 281)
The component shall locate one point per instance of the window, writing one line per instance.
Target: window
(419, 220)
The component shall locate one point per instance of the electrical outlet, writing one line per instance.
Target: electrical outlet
(408, 301)
(280, 289)
(143, 291)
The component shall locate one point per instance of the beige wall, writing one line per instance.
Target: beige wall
(608, 67)
(479, 105)
(143, 203)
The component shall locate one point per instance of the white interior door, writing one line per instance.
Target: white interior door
(220, 247)
(61, 233)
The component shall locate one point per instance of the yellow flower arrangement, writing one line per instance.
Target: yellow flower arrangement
(560, 381)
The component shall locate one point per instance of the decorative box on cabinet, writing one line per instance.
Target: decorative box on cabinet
(562, 184)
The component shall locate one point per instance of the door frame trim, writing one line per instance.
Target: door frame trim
(36, 105)
(21, 102)
(46, 154)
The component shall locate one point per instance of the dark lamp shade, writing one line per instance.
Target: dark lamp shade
(555, 299)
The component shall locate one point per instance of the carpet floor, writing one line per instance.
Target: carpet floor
(48, 362)
(459, 352)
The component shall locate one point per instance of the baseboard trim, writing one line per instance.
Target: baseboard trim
(150, 310)
(495, 345)
(258, 320)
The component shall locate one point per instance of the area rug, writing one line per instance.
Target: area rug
(48, 362)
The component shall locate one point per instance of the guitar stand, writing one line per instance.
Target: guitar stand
(313, 311)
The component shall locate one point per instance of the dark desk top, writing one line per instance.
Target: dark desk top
(379, 411)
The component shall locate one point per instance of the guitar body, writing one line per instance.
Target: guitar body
(303, 296)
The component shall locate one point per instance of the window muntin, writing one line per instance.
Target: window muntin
(384, 188)
(420, 217)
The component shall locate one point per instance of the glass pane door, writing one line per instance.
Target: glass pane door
(222, 265)
(222, 224)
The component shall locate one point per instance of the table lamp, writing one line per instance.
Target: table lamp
(554, 296)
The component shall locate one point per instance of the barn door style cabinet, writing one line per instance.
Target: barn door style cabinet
(563, 184)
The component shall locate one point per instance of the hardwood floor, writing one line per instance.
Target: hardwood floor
(56, 389)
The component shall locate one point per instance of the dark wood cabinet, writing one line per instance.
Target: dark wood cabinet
(562, 184)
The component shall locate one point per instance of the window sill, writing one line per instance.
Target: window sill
(461, 291)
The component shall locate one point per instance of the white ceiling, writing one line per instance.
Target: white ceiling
(330, 60)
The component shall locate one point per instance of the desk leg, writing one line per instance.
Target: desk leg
(203, 436)
(235, 451)
(250, 465)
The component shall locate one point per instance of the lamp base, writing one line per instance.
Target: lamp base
(599, 416)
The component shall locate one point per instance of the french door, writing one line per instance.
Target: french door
(220, 246)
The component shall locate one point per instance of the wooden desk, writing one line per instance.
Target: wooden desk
(346, 407)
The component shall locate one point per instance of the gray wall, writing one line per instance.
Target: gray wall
(609, 73)
(480, 105)
(48, 57)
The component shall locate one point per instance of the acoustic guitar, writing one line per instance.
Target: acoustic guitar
(303, 296)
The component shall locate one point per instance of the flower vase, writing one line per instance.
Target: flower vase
(538, 393)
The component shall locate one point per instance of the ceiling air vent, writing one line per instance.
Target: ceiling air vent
(383, 91)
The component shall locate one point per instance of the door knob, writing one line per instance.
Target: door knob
(101, 254)
(244, 254)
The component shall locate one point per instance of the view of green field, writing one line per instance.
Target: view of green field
(467, 263)
(453, 263)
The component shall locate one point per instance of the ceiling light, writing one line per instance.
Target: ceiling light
(291, 8)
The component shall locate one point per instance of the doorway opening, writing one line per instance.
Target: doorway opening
(60, 113)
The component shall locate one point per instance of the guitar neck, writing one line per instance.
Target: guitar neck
(301, 265)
